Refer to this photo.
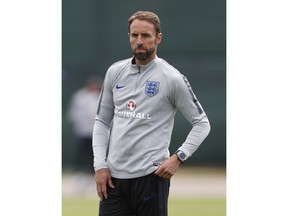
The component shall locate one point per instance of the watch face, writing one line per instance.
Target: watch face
(182, 156)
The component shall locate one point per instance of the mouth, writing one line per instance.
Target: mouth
(140, 50)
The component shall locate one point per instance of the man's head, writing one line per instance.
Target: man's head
(148, 17)
(145, 34)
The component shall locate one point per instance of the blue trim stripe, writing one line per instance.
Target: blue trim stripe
(195, 101)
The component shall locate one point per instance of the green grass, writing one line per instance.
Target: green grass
(177, 207)
(197, 207)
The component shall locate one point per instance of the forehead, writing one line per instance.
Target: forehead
(141, 26)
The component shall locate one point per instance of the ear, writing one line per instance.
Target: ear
(158, 38)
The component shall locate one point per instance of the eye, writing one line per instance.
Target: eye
(145, 35)
(134, 35)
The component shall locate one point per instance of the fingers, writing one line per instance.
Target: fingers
(102, 178)
(161, 172)
(168, 168)
(110, 183)
(104, 188)
(104, 191)
(99, 192)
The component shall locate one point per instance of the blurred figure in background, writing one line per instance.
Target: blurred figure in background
(81, 114)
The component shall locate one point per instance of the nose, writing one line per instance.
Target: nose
(139, 42)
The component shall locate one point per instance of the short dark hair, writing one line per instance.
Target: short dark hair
(147, 16)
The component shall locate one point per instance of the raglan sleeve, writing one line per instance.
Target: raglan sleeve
(187, 103)
(103, 119)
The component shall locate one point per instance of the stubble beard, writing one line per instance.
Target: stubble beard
(145, 55)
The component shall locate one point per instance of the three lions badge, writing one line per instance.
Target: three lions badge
(152, 88)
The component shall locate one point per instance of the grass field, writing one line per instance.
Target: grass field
(177, 207)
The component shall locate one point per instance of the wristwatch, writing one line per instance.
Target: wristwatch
(181, 155)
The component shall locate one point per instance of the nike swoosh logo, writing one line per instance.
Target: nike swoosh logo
(119, 86)
(146, 198)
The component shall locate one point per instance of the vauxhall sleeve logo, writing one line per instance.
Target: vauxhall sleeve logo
(152, 88)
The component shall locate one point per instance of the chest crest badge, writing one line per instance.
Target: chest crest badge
(152, 88)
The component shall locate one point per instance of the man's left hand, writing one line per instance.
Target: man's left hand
(169, 167)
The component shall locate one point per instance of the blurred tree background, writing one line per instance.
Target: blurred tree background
(94, 35)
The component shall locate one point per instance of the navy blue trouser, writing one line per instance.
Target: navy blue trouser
(143, 196)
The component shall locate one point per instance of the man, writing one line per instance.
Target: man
(81, 114)
(134, 122)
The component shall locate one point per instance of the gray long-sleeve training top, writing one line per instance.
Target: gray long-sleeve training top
(135, 117)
